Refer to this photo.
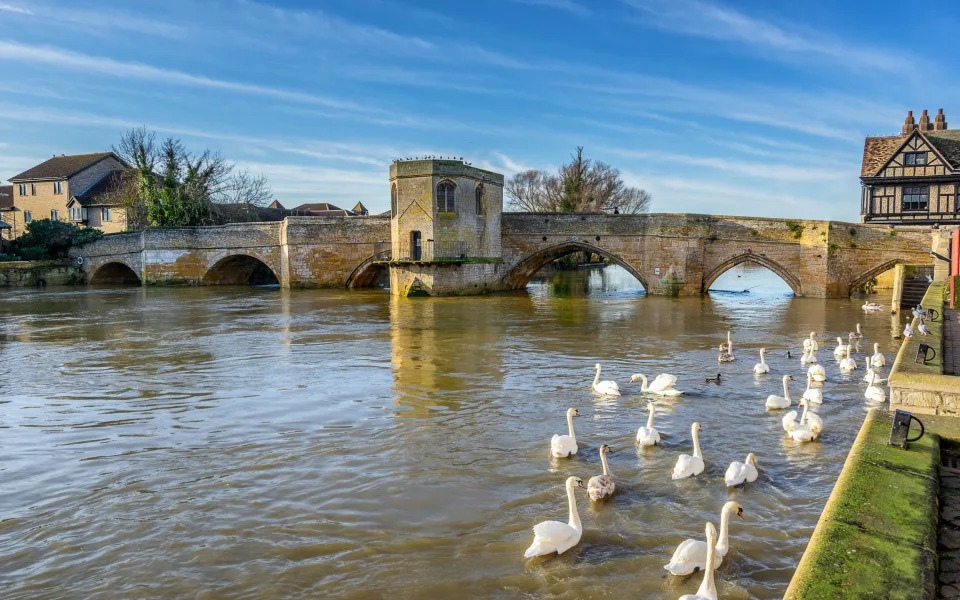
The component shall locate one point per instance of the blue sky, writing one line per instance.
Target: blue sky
(748, 107)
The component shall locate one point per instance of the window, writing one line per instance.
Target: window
(57, 187)
(23, 189)
(105, 214)
(481, 198)
(33, 189)
(393, 200)
(78, 214)
(916, 198)
(446, 193)
(54, 215)
(915, 159)
(27, 216)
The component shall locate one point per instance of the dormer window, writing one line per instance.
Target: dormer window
(915, 159)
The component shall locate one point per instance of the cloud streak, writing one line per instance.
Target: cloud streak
(569, 6)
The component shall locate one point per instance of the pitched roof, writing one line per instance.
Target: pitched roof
(276, 204)
(877, 151)
(318, 207)
(360, 209)
(947, 142)
(98, 192)
(62, 167)
(6, 196)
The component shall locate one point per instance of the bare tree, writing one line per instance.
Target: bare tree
(527, 191)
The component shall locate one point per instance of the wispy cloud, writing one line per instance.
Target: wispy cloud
(565, 5)
(97, 21)
(4, 7)
(704, 19)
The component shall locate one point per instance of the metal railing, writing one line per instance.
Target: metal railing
(425, 250)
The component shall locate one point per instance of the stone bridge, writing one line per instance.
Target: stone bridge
(680, 254)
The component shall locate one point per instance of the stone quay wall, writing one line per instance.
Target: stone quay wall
(39, 273)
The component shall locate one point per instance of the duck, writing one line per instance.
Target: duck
(808, 358)
(878, 361)
(715, 380)
(871, 374)
(648, 436)
(856, 335)
(691, 555)
(742, 472)
(761, 367)
(604, 388)
(775, 402)
(922, 327)
(810, 344)
(847, 364)
(840, 350)
(812, 394)
(817, 373)
(875, 393)
(662, 385)
(554, 536)
(601, 487)
(708, 587)
(687, 465)
(562, 446)
(726, 355)
(908, 331)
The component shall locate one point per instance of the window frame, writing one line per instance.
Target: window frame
(910, 159)
(394, 198)
(22, 188)
(57, 187)
(921, 203)
(449, 197)
(55, 215)
(33, 189)
(105, 214)
(481, 195)
(28, 216)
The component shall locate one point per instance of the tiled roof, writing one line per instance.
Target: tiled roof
(317, 207)
(947, 143)
(360, 209)
(6, 196)
(97, 194)
(877, 151)
(62, 167)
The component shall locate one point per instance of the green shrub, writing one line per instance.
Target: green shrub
(8, 257)
(33, 253)
(52, 239)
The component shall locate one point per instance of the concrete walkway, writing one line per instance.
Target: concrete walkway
(951, 342)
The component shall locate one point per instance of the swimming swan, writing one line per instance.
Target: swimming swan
(648, 436)
(869, 307)
(847, 364)
(810, 344)
(688, 466)
(708, 588)
(606, 388)
(761, 367)
(726, 354)
(601, 486)
(808, 358)
(691, 555)
(726, 345)
(775, 402)
(554, 536)
(841, 350)
(875, 393)
(662, 385)
(812, 394)
(870, 372)
(741, 472)
(562, 446)
(818, 373)
(804, 430)
(856, 335)
(877, 360)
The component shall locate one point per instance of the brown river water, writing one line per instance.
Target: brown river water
(262, 443)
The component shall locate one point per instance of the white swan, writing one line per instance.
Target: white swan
(875, 393)
(691, 555)
(877, 360)
(708, 588)
(648, 436)
(662, 385)
(856, 335)
(804, 430)
(808, 358)
(812, 394)
(775, 402)
(818, 373)
(688, 466)
(554, 536)
(869, 307)
(811, 418)
(810, 344)
(605, 388)
(742, 472)
(761, 367)
(870, 374)
(726, 354)
(841, 350)
(601, 486)
(562, 446)
(847, 364)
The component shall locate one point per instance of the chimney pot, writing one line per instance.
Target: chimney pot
(909, 125)
(940, 123)
(925, 122)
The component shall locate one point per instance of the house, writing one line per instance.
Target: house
(912, 178)
(7, 212)
(80, 183)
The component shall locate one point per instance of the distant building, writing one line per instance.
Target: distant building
(914, 177)
(7, 212)
(70, 188)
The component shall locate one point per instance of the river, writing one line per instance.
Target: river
(265, 443)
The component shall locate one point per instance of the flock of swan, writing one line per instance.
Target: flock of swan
(694, 555)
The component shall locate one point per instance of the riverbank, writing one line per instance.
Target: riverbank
(39, 273)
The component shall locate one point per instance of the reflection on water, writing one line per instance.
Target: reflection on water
(273, 444)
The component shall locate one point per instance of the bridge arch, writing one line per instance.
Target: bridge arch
(368, 272)
(240, 269)
(529, 265)
(759, 259)
(873, 272)
(113, 273)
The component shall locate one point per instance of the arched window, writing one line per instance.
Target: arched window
(393, 200)
(446, 193)
(481, 199)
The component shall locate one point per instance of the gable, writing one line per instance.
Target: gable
(915, 157)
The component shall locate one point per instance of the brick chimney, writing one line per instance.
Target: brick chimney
(909, 125)
(940, 123)
(925, 122)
